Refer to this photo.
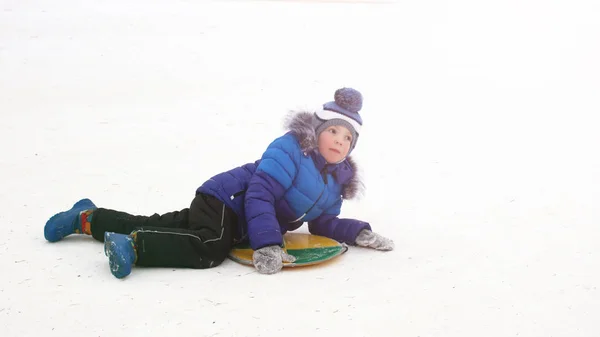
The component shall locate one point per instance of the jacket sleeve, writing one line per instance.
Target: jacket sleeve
(273, 177)
(342, 230)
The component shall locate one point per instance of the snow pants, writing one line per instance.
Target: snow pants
(199, 237)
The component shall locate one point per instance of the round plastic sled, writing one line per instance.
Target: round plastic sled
(307, 248)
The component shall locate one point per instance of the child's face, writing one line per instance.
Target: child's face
(334, 143)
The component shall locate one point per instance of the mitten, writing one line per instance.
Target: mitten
(269, 260)
(366, 238)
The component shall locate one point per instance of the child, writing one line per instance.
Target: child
(303, 176)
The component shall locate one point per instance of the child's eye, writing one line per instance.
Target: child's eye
(348, 138)
(332, 131)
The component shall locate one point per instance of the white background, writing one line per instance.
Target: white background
(479, 153)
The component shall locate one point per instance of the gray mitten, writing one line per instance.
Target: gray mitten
(366, 238)
(269, 260)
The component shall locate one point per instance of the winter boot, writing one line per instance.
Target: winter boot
(67, 222)
(121, 252)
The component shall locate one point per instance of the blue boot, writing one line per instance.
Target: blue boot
(65, 223)
(120, 249)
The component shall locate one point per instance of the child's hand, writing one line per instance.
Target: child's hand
(366, 238)
(269, 260)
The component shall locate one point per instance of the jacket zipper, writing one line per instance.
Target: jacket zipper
(325, 180)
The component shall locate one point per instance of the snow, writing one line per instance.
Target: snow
(477, 153)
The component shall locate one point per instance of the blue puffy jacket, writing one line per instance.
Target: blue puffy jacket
(288, 186)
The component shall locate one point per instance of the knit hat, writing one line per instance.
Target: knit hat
(342, 111)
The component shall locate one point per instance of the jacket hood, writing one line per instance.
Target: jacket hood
(302, 125)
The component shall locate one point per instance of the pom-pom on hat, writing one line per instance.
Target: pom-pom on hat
(343, 110)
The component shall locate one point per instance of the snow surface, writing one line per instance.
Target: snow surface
(479, 153)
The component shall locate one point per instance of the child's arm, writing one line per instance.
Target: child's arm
(263, 227)
(342, 230)
(350, 231)
(273, 176)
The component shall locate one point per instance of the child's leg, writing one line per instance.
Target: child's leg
(108, 220)
(197, 237)
(204, 241)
